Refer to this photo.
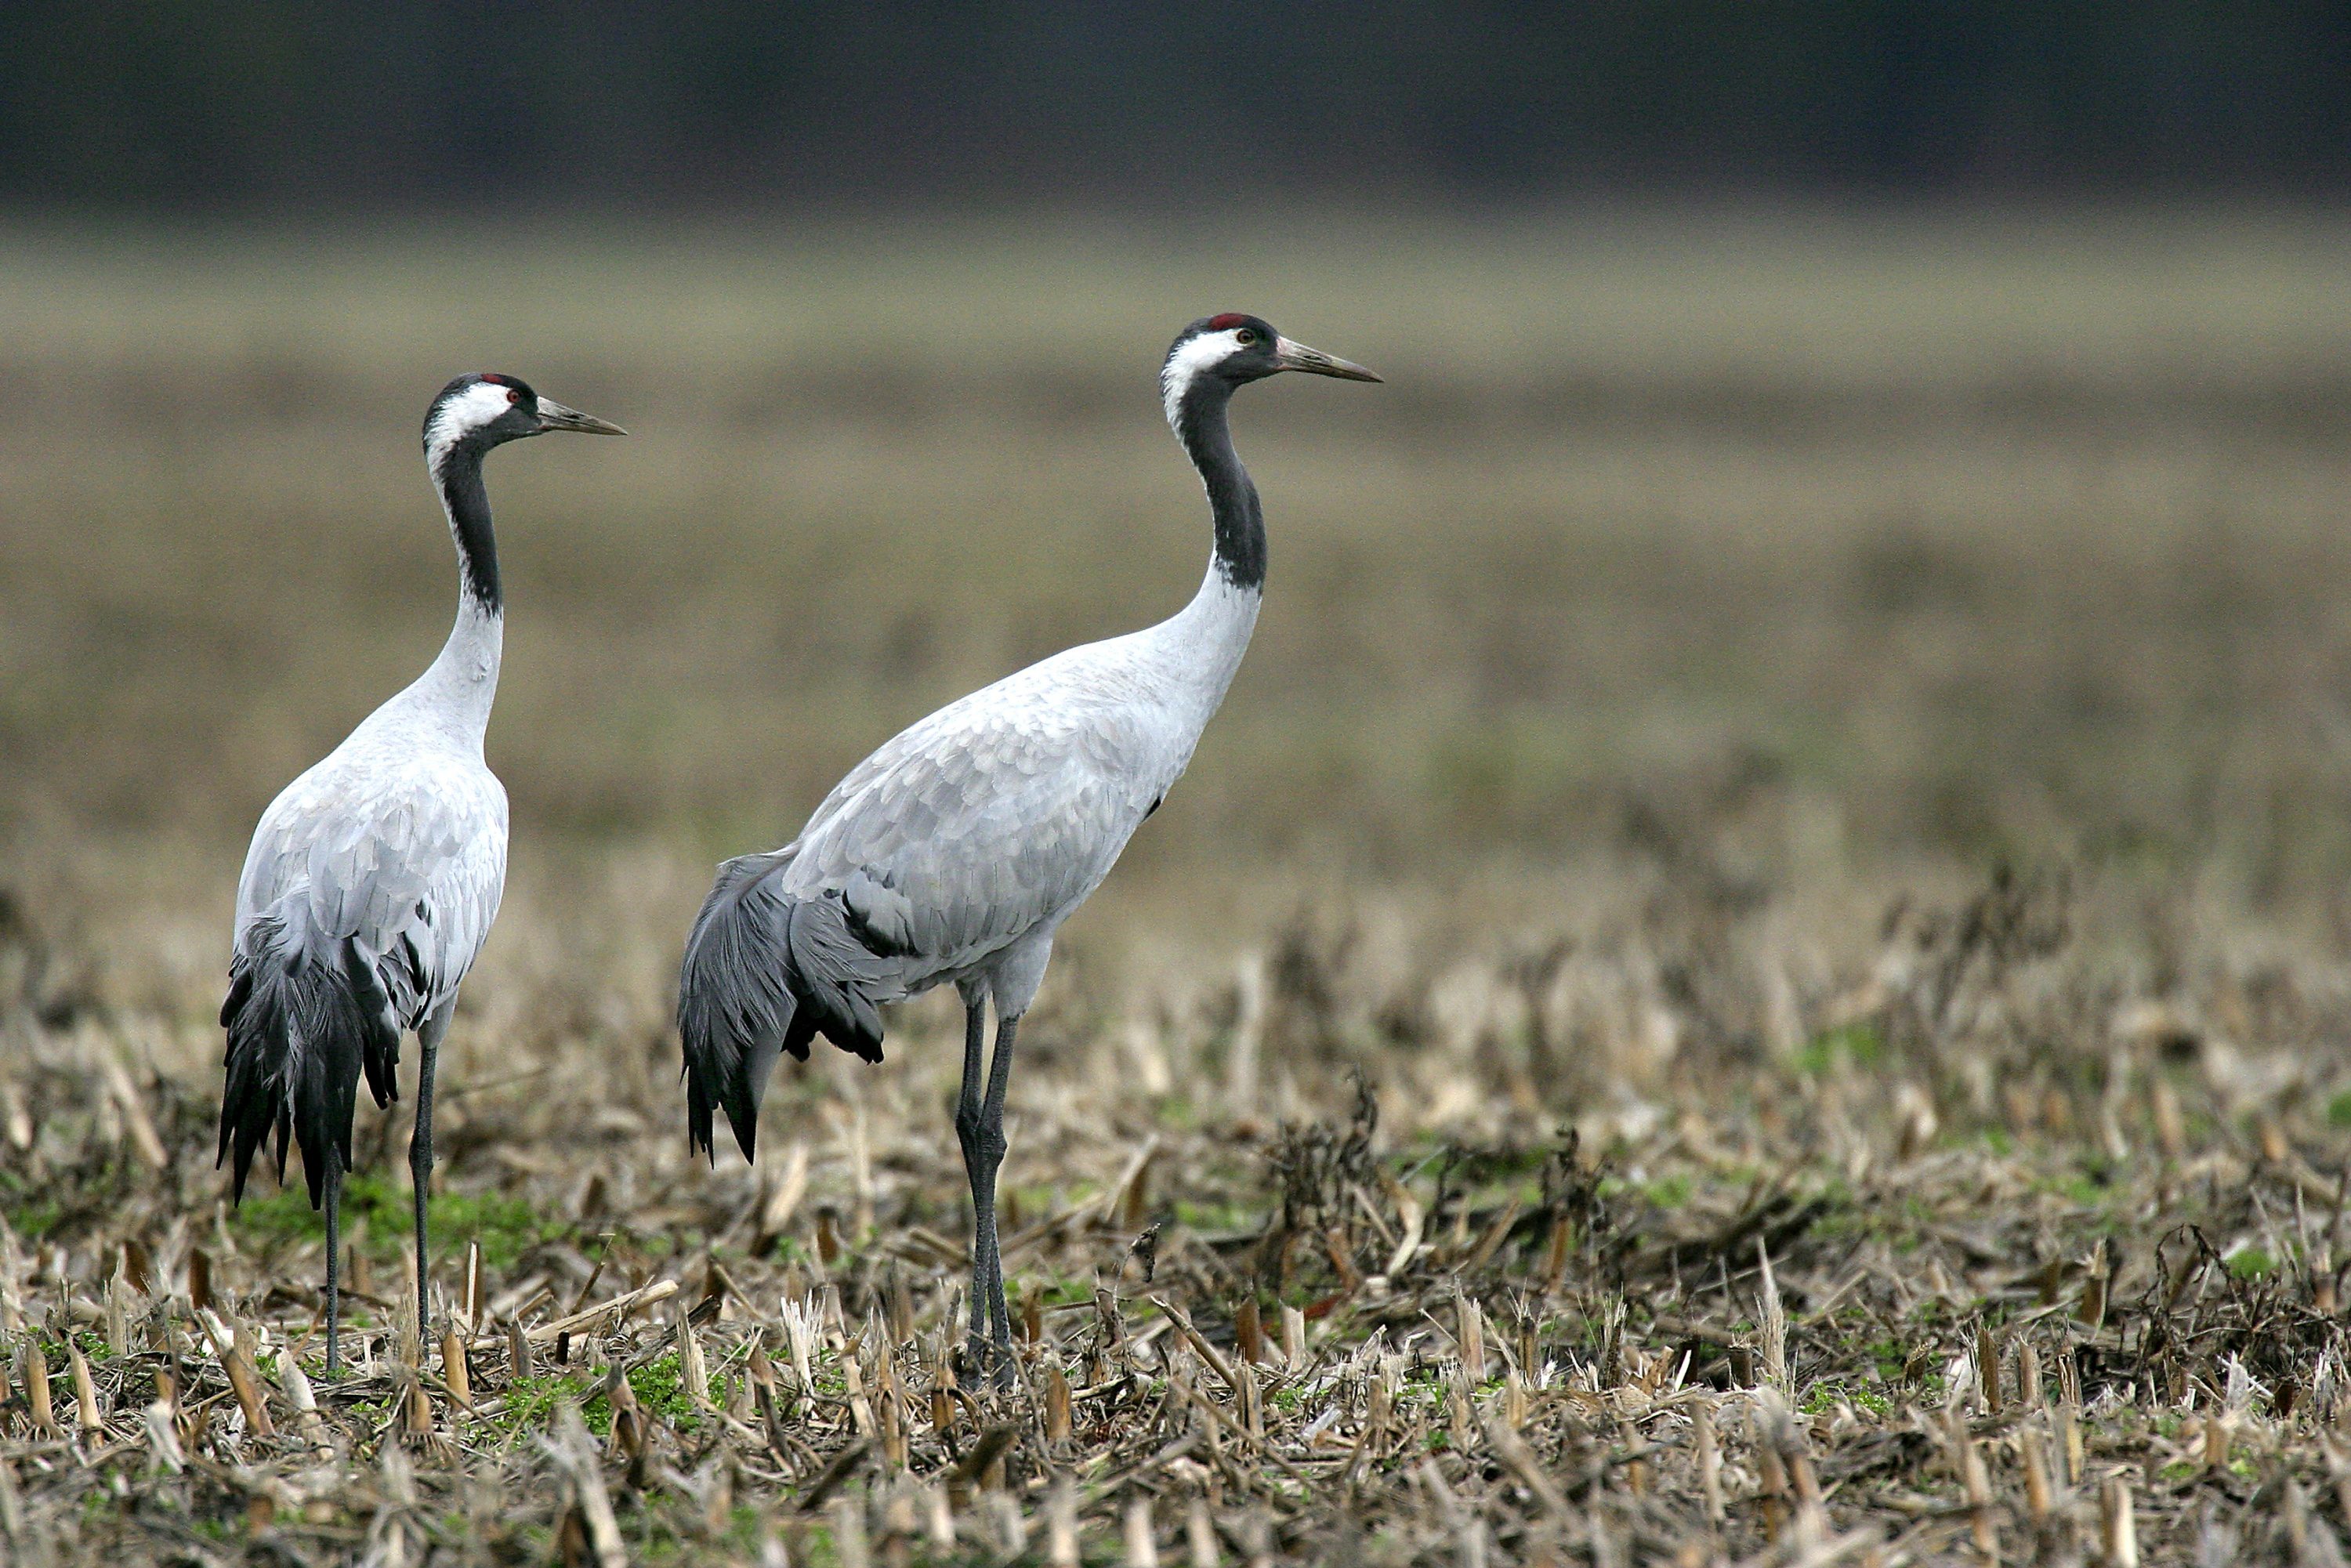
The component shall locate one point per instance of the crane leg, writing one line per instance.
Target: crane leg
(334, 1261)
(980, 1127)
(419, 1155)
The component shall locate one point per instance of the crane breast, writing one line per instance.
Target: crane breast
(407, 860)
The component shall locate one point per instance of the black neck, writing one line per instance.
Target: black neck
(468, 501)
(1201, 426)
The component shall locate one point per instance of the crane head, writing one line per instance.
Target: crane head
(1234, 349)
(486, 410)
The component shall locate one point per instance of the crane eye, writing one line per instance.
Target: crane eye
(514, 397)
(1244, 337)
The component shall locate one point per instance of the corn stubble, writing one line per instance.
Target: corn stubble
(1727, 1314)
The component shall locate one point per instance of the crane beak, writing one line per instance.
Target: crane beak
(1292, 356)
(553, 415)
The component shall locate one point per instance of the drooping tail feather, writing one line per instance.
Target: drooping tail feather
(764, 973)
(307, 1016)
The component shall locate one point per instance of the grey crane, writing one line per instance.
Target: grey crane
(952, 854)
(373, 877)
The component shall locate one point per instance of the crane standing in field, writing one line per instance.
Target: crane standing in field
(374, 876)
(954, 853)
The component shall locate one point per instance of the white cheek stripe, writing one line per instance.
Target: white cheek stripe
(470, 409)
(1185, 363)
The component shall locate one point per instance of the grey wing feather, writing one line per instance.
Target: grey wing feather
(409, 863)
(765, 972)
(365, 897)
(991, 819)
(971, 828)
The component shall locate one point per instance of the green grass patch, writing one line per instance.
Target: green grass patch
(1216, 1218)
(30, 1216)
(55, 1350)
(2086, 1188)
(504, 1226)
(1661, 1192)
(2251, 1264)
(1858, 1043)
(1824, 1397)
(531, 1401)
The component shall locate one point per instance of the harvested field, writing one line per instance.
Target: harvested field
(1756, 970)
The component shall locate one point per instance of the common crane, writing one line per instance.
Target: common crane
(374, 876)
(953, 853)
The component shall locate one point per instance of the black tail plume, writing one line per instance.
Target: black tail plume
(306, 1018)
(764, 973)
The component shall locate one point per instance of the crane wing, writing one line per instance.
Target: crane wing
(408, 860)
(365, 897)
(978, 824)
(983, 824)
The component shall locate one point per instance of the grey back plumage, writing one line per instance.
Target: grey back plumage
(970, 833)
(992, 815)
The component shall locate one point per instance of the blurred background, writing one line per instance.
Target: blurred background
(276, 106)
(1828, 449)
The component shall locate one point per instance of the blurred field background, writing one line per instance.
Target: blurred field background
(1832, 548)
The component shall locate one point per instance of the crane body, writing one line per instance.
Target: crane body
(952, 854)
(373, 877)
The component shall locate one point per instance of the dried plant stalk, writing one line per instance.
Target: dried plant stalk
(2117, 1525)
(454, 1371)
(85, 1409)
(1775, 1324)
(35, 1375)
(619, 1310)
(1710, 1460)
(2036, 1473)
(297, 1387)
(1062, 1524)
(136, 1121)
(2093, 1308)
(1056, 1403)
(1200, 1536)
(473, 1324)
(164, 1455)
(1250, 1330)
(800, 1329)
(1141, 1550)
(1977, 1482)
(694, 1371)
(2170, 1131)
(1470, 1331)
(416, 1405)
(118, 1316)
(576, 1451)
